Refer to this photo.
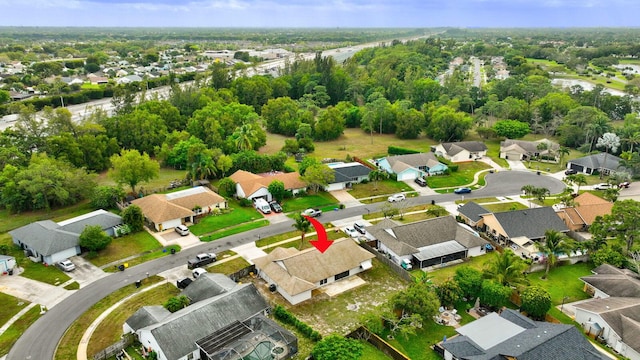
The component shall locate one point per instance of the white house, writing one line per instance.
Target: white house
(461, 151)
(6, 263)
(297, 273)
(412, 166)
(347, 174)
(252, 186)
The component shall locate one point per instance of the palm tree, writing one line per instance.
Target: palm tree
(245, 137)
(578, 179)
(555, 244)
(303, 225)
(507, 268)
(598, 128)
(563, 150)
(608, 141)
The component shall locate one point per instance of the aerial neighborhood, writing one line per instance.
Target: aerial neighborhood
(236, 194)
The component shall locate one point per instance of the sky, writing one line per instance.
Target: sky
(321, 13)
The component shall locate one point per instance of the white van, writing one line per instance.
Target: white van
(263, 206)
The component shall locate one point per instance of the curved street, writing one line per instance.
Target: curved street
(41, 339)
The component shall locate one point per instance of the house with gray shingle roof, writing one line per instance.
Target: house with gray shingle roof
(511, 335)
(525, 150)
(427, 242)
(614, 319)
(231, 322)
(49, 242)
(347, 174)
(461, 151)
(605, 163)
(471, 214)
(412, 166)
(528, 224)
(607, 280)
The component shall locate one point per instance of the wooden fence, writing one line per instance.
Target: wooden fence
(362, 333)
(115, 348)
(236, 276)
(383, 258)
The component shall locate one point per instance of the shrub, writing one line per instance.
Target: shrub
(288, 318)
(396, 150)
(244, 202)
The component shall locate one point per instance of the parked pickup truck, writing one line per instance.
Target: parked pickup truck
(312, 212)
(201, 260)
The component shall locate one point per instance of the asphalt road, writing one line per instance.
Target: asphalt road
(41, 339)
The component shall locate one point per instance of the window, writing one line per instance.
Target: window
(323, 281)
(342, 275)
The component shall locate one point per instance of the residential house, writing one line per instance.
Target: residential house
(347, 174)
(412, 166)
(252, 186)
(166, 211)
(521, 228)
(471, 214)
(230, 323)
(511, 335)
(461, 151)
(127, 79)
(297, 273)
(525, 150)
(609, 281)
(98, 80)
(596, 163)
(427, 242)
(587, 207)
(7, 263)
(71, 80)
(49, 242)
(616, 320)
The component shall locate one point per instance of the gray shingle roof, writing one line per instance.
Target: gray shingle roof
(346, 172)
(146, 316)
(597, 161)
(616, 285)
(407, 239)
(531, 223)
(413, 160)
(45, 237)
(208, 285)
(177, 333)
(472, 211)
(533, 341)
(454, 148)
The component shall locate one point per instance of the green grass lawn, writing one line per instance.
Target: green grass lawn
(158, 184)
(370, 352)
(9, 221)
(385, 187)
(463, 176)
(47, 274)
(505, 206)
(9, 337)
(10, 306)
(237, 215)
(564, 281)
(299, 203)
(235, 230)
(123, 247)
(447, 272)
(493, 152)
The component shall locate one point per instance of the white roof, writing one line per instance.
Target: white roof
(186, 192)
(490, 331)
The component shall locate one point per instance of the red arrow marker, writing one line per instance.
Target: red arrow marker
(322, 244)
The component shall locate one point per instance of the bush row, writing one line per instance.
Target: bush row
(396, 150)
(288, 318)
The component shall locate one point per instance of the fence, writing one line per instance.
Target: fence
(236, 276)
(395, 267)
(362, 333)
(113, 349)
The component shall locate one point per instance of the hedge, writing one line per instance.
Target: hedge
(396, 150)
(288, 318)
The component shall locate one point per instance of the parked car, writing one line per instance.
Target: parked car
(183, 230)
(351, 231)
(312, 212)
(601, 186)
(625, 185)
(396, 197)
(488, 247)
(570, 172)
(463, 190)
(421, 181)
(201, 260)
(359, 226)
(183, 283)
(275, 206)
(197, 272)
(66, 265)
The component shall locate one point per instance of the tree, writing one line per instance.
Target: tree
(469, 280)
(301, 224)
(609, 254)
(330, 125)
(277, 190)
(176, 303)
(507, 269)
(226, 187)
(622, 224)
(555, 244)
(578, 179)
(281, 116)
(377, 175)
(540, 193)
(246, 137)
(4, 96)
(494, 294)
(409, 121)
(337, 347)
(93, 238)
(133, 217)
(609, 141)
(563, 151)
(448, 293)
(318, 177)
(132, 168)
(418, 299)
(106, 197)
(446, 124)
(536, 301)
(511, 129)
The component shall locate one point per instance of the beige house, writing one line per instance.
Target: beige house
(252, 186)
(461, 151)
(166, 211)
(297, 273)
(525, 150)
(583, 214)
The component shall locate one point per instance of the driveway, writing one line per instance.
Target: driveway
(85, 272)
(33, 291)
(421, 190)
(516, 165)
(170, 237)
(345, 198)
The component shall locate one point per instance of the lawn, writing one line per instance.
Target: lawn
(229, 267)
(236, 215)
(370, 352)
(9, 337)
(68, 345)
(493, 152)
(447, 272)
(9, 221)
(126, 246)
(386, 187)
(47, 274)
(110, 329)
(505, 206)
(463, 176)
(564, 281)
(235, 230)
(299, 203)
(159, 184)
(10, 306)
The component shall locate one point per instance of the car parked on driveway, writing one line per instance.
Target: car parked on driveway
(275, 206)
(601, 186)
(570, 172)
(183, 230)
(359, 226)
(463, 190)
(66, 265)
(351, 232)
(396, 197)
(421, 181)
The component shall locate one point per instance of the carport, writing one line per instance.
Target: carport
(440, 254)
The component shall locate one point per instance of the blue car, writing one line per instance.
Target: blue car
(488, 247)
(464, 190)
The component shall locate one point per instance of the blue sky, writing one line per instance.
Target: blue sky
(321, 13)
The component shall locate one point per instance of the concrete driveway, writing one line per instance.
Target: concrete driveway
(33, 291)
(170, 237)
(85, 272)
(516, 165)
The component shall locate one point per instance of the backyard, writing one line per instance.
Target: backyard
(126, 246)
(464, 175)
(234, 216)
